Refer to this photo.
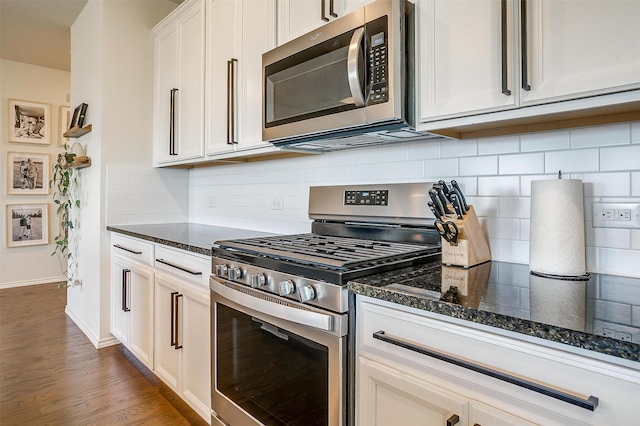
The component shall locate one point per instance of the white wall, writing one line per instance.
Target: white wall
(495, 173)
(111, 71)
(41, 85)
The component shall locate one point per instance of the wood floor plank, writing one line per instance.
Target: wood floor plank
(50, 374)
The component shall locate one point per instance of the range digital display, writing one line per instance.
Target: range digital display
(367, 198)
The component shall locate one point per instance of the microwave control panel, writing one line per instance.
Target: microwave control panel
(378, 61)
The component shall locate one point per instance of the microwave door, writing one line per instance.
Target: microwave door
(319, 88)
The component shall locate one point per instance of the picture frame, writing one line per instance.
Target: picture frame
(74, 118)
(81, 116)
(27, 173)
(29, 122)
(64, 123)
(27, 224)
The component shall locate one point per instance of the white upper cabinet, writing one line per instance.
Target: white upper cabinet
(580, 48)
(479, 56)
(298, 17)
(240, 31)
(179, 85)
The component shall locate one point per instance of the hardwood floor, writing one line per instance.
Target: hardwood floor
(50, 374)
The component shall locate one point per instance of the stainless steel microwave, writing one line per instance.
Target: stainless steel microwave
(348, 84)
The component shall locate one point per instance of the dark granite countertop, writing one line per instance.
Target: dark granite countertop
(186, 236)
(578, 313)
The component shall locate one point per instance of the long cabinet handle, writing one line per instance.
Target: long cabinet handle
(590, 403)
(182, 268)
(453, 420)
(173, 318)
(172, 123)
(232, 101)
(127, 249)
(332, 11)
(126, 275)
(503, 35)
(323, 11)
(523, 45)
(178, 344)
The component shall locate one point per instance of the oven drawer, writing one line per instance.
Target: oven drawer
(132, 248)
(189, 267)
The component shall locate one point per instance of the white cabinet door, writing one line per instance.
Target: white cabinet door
(120, 300)
(179, 85)
(132, 323)
(481, 414)
(389, 397)
(581, 48)
(167, 352)
(298, 17)
(196, 363)
(240, 31)
(460, 48)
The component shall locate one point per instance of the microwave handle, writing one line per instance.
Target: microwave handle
(352, 67)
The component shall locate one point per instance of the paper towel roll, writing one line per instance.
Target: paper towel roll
(556, 242)
(558, 302)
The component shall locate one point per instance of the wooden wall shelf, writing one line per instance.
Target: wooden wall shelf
(76, 132)
(80, 162)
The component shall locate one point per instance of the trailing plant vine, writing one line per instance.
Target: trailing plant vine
(63, 182)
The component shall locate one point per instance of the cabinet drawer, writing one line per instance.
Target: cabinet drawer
(555, 370)
(187, 266)
(132, 248)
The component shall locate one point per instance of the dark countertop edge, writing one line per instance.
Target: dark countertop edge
(170, 243)
(602, 345)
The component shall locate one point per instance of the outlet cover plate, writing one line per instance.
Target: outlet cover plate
(616, 215)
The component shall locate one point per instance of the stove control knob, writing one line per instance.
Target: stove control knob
(235, 273)
(258, 280)
(306, 293)
(221, 270)
(286, 287)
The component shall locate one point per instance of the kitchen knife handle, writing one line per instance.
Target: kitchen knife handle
(456, 205)
(461, 196)
(523, 45)
(445, 187)
(503, 35)
(443, 198)
(437, 203)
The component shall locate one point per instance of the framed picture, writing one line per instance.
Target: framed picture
(64, 123)
(27, 225)
(28, 173)
(29, 122)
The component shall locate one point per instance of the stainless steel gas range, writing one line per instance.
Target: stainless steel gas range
(280, 308)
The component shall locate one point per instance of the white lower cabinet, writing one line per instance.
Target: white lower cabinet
(182, 332)
(404, 376)
(132, 297)
(160, 312)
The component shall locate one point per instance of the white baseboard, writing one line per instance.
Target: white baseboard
(97, 343)
(60, 279)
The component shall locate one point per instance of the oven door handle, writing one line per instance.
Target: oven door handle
(286, 312)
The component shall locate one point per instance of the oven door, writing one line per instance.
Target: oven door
(267, 370)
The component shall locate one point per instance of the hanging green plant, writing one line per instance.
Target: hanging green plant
(64, 182)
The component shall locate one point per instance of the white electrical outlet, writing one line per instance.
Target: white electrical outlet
(616, 215)
(276, 203)
(211, 202)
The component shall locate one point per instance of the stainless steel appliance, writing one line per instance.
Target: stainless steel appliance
(280, 308)
(345, 85)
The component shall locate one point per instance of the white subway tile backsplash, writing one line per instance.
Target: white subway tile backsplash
(545, 141)
(515, 207)
(478, 166)
(605, 184)
(409, 169)
(619, 262)
(525, 228)
(635, 239)
(635, 184)
(635, 132)
(514, 251)
(525, 182)
(499, 186)
(437, 169)
(502, 229)
(607, 237)
(501, 145)
(458, 148)
(485, 206)
(521, 164)
(620, 158)
(616, 134)
(425, 150)
(580, 160)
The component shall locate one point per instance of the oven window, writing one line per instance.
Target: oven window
(278, 377)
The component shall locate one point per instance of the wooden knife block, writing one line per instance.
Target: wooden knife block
(472, 248)
(471, 283)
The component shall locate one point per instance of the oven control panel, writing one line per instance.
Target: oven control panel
(376, 197)
(300, 289)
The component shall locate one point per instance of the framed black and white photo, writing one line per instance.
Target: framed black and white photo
(27, 173)
(27, 225)
(29, 122)
(64, 123)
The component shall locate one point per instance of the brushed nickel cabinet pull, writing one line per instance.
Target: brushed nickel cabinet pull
(589, 404)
